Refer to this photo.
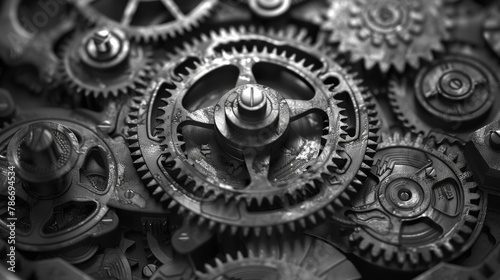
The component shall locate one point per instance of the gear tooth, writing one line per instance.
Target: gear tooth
(269, 231)
(401, 256)
(172, 203)
(364, 245)
(388, 255)
(437, 252)
(246, 230)
(302, 223)
(426, 256)
(413, 257)
(292, 227)
(233, 230)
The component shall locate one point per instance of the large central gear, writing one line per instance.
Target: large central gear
(387, 32)
(250, 151)
(421, 208)
(147, 20)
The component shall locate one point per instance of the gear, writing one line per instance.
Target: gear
(455, 94)
(306, 259)
(146, 20)
(422, 207)
(387, 32)
(65, 176)
(102, 62)
(203, 156)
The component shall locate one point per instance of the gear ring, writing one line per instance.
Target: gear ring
(118, 67)
(252, 222)
(387, 32)
(454, 94)
(176, 18)
(45, 221)
(420, 210)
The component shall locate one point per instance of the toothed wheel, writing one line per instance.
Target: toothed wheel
(147, 20)
(454, 94)
(102, 63)
(387, 33)
(422, 207)
(65, 177)
(249, 138)
(305, 259)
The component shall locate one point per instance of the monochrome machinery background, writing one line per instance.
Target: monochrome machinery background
(250, 139)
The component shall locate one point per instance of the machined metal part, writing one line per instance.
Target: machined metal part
(239, 139)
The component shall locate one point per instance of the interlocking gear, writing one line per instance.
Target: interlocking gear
(387, 33)
(296, 150)
(147, 20)
(422, 207)
(101, 62)
(454, 94)
(302, 259)
(65, 177)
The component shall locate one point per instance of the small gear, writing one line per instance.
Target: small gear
(102, 62)
(203, 156)
(65, 176)
(147, 20)
(455, 94)
(387, 32)
(422, 207)
(307, 259)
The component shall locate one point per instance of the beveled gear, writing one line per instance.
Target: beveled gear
(102, 63)
(306, 259)
(147, 20)
(188, 176)
(455, 94)
(387, 33)
(423, 207)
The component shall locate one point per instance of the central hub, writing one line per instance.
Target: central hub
(250, 117)
(404, 195)
(104, 48)
(455, 85)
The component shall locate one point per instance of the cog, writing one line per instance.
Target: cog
(294, 260)
(455, 94)
(102, 62)
(206, 166)
(422, 207)
(65, 176)
(146, 20)
(387, 33)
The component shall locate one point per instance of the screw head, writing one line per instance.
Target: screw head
(495, 139)
(430, 172)
(252, 101)
(149, 269)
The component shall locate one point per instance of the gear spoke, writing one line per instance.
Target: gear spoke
(129, 12)
(246, 75)
(40, 213)
(173, 9)
(300, 108)
(439, 218)
(257, 164)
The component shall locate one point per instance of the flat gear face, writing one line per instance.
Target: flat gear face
(146, 20)
(97, 78)
(422, 207)
(316, 159)
(455, 94)
(387, 33)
